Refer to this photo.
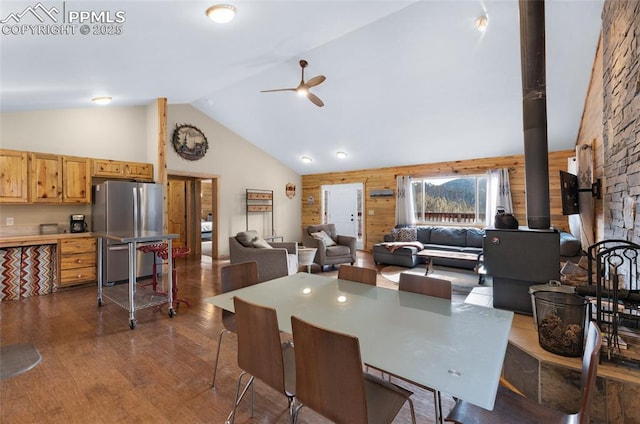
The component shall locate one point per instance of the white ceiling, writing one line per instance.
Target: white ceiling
(408, 82)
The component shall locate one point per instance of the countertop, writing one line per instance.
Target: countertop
(34, 239)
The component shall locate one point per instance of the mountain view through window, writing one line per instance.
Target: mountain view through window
(450, 200)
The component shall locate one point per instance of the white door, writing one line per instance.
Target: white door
(342, 205)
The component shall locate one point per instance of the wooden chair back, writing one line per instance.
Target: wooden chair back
(233, 277)
(590, 359)
(423, 284)
(357, 274)
(259, 345)
(329, 377)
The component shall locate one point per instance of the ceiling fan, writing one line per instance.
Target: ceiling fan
(303, 88)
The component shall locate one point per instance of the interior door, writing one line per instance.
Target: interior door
(342, 206)
(177, 211)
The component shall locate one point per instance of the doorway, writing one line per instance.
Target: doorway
(193, 211)
(342, 205)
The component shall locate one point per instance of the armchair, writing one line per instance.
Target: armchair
(276, 260)
(338, 250)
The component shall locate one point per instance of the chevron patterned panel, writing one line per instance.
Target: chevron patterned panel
(10, 259)
(36, 277)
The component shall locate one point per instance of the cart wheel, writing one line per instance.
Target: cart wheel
(99, 302)
(172, 313)
(132, 324)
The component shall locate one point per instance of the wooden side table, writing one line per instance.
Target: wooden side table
(306, 256)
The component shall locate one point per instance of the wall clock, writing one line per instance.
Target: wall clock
(189, 142)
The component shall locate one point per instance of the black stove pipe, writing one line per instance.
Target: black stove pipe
(534, 112)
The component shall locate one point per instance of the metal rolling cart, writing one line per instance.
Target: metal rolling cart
(128, 297)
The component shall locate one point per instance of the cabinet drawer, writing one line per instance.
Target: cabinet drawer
(79, 260)
(77, 275)
(78, 245)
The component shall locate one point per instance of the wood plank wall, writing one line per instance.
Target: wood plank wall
(379, 213)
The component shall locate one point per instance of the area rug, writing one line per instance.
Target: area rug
(17, 358)
(462, 280)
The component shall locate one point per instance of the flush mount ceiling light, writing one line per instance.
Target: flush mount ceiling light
(482, 22)
(104, 100)
(306, 159)
(341, 155)
(221, 13)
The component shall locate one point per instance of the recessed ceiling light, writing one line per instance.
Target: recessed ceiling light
(482, 22)
(221, 13)
(306, 159)
(104, 100)
(341, 155)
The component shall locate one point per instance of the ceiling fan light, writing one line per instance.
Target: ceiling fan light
(341, 155)
(306, 159)
(221, 13)
(102, 100)
(482, 22)
(302, 92)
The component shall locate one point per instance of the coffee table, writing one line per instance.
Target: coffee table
(429, 254)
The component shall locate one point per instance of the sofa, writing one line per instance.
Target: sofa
(333, 248)
(274, 259)
(403, 243)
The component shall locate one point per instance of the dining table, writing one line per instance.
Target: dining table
(455, 348)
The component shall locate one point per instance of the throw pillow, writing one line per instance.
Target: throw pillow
(324, 237)
(261, 243)
(246, 238)
(405, 234)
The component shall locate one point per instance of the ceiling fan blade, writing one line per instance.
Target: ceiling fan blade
(316, 81)
(315, 99)
(278, 89)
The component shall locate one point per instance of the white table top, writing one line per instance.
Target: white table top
(456, 348)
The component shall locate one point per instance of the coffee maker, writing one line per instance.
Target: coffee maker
(77, 224)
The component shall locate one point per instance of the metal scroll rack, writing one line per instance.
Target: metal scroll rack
(614, 272)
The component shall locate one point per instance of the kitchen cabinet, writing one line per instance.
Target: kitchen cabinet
(59, 179)
(139, 170)
(13, 176)
(118, 169)
(76, 179)
(46, 178)
(107, 168)
(77, 260)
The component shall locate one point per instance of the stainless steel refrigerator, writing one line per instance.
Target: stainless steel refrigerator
(124, 207)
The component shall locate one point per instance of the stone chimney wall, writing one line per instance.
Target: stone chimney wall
(621, 132)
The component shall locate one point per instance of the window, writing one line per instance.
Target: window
(450, 199)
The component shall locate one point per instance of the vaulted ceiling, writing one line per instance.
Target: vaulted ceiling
(408, 82)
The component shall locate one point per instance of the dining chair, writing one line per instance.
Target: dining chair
(357, 274)
(233, 277)
(429, 286)
(423, 284)
(262, 354)
(330, 380)
(511, 407)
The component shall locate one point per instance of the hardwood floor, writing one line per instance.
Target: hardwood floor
(96, 370)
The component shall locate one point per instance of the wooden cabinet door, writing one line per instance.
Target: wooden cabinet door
(76, 180)
(46, 178)
(108, 168)
(13, 176)
(139, 170)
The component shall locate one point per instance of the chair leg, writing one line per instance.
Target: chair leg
(239, 396)
(296, 410)
(215, 365)
(437, 406)
(413, 411)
